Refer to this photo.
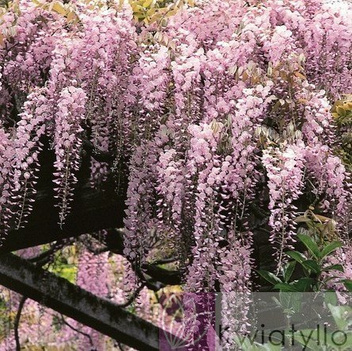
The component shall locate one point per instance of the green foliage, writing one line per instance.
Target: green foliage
(312, 264)
(149, 11)
(329, 339)
(4, 3)
(146, 11)
(311, 267)
(64, 264)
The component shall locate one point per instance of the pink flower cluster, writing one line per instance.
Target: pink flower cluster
(152, 73)
(67, 141)
(171, 189)
(221, 104)
(330, 181)
(5, 169)
(342, 256)
(236, 270)
(285, 172)
(140, 223)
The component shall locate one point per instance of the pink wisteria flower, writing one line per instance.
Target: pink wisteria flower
(206, 119)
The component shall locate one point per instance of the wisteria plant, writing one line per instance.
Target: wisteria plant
(223, 119)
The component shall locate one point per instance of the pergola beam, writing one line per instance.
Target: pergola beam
(92, 210)
(64, 297)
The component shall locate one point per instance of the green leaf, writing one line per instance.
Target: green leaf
(269, 347)
(334, 267)
(345, 340)
(286, 287)
(288, 270)
(312, 265)
(348, 284)
(291, 301)
(310, 245)
(304, 284)
(308, 338)
(147, 3)
(342, 316)
(270, 277)
(331, 298)
(330, 248)
(297, 256)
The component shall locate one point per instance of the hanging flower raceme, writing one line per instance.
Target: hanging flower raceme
(27, 145)
(206, 115)
(236, 266)
(6, 155)
(171, 187)
(140, 222)
(285, 172)
(68, 142)
(203, 168)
